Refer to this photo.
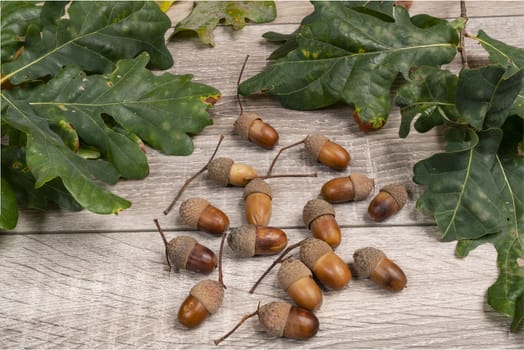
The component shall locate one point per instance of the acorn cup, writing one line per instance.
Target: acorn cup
(319, 217)
(226, 172)
(296, 279)
(257, 197)
(388, 202)
(355, 187)
(254, 240)
(198, 213)
(327, 152)
(251, 127)
(372, 263)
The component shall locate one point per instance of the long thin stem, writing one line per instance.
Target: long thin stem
(244, 318)
(220, 254)
(275, 262)
(188, 181)
(462, 48)
(278, 155)
(238, 83)
(165, 241)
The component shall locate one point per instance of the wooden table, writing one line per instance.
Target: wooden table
(79, 280)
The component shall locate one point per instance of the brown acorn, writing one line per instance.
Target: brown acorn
(251, 127)
(296, 279)
(319, 217)
(327, 152)
(198, 213)
(185, 252)
(372, 263)
(355, 187)
(388, 201)
(204, 299)
(327, 266)
(250, 240)
(258, 195)
(226, 172)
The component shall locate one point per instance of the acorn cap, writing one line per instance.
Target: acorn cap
(313, 249)
(362, 186)
(273, 317)
(242, 240)
(258, 186)
(366, 259)
(179, 250)
(315, 208)
(210, 293)
(243, 123)
(314, 143)
(219, 170)
(292, 270)
(398, 192)
(191, 209)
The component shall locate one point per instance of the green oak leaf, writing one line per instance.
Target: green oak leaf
(16, 17)
(48, 158)
(476, 196)
(485, 95)
(430, 95)
(509, 56)
(93, 42)
(206, 15)
(344, 55)
(8, 206)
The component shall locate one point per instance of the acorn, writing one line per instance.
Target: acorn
(226, 172)
(251, 127)
(205, 298)
(388, 201)
(184, 252)
(250, 240)
(327, 266)
(355, 187)
(296, 279)
(281, 319)
(198, 213)
(258, 195)
(372, 263)
(319, 217)
(327, 152)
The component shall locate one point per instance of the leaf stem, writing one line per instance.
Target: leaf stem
(188, 181)
(462, 47)
(238, 83)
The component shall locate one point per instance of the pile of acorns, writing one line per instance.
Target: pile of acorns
(317, 259)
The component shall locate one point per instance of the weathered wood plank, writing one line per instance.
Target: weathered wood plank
(111, 290)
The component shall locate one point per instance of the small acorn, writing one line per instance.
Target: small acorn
(205, 298)
(387, 202)
(296, 279)
(327, 152)
(258, 195)
(250, 240)
(198, 213)
(327, 266)
(281, 319)
(372, 263)
(226, 172)
(355, 187)
(319, 217)
(251, 127)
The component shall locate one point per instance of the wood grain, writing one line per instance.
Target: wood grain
(80, 280)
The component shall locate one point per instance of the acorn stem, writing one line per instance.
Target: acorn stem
(220, 254)
(164, 239)
(263, 177)
(188, 181)
(238, 83)
(244, 318)
(275, 262)
(279, 152)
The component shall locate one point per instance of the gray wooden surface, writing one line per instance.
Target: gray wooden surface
(79, 280)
